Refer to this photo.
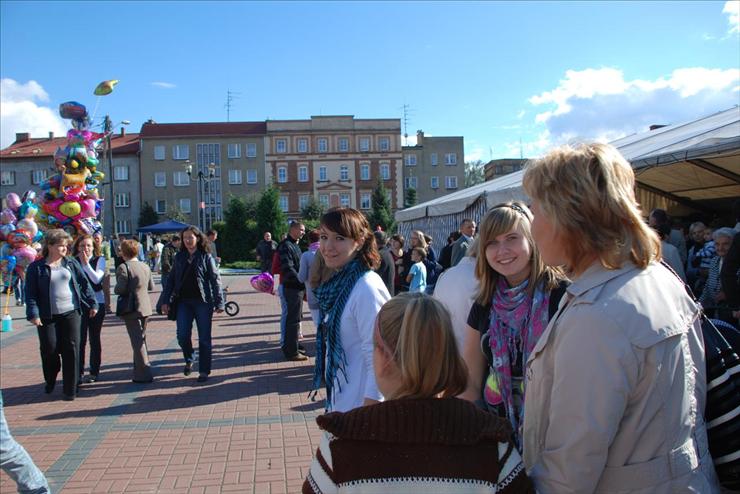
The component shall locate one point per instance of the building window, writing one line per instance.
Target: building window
(235, 177)
(344, 200)
(251, 176)
(364, 144)
(451, 159)
(180, 152)
(38, 176)
(281, 146)
(451, 182)
(409, 160)
(385, 171)
(384, 144)
(160, 206)
(364, 172)
(251, 150)
(344, 173)
(324, 200)
(122, 200)
(434, 183)
(284, 203)
(180, 179)
(184, 204)
(234, 150)
(159, 153)
(322, 174)
(411, 182)
(303, 201)
(122, 226)
(282, 174)
(7, 178)
(303, 174)
(160, 179)
(365, 200)
(120, 173)
(323, 145)
(343, 144)
(433, 158)
(302, 145)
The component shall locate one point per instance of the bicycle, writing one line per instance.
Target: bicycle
(231, 308)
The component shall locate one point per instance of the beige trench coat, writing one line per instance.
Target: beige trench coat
(616, 388)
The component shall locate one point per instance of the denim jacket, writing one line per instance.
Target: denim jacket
(38, 288)
(206, 275)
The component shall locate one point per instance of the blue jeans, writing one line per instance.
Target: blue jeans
(163, 281)
(19, 288)
(16, 462)
(187, 311)
(283, 313)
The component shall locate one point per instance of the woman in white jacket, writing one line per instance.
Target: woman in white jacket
(616, 385)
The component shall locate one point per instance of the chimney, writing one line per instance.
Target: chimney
(123, 131)
(22, 137)
(419, 137)
(656, 126)
(51, 136)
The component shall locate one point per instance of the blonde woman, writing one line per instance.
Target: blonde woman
(616, 385)
(421, 439)
(517, 296)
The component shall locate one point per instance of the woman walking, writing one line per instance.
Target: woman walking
(133, 283)
(87, 253)
(193, 292)
(348, 303)
(57, 293)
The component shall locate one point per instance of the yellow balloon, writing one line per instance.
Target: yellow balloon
(70, 209)
(74, 164)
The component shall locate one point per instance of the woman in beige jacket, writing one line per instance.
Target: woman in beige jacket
(616, 385)
(134, 277)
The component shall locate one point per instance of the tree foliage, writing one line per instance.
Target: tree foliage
(174, 213)
(313, 211)
(269, 216)
(238, 235)
(410, 198)
(148, 216)
(474, 173)
(381, 213)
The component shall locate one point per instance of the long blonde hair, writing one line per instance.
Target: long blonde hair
(588, 194)
(416, 330)
(501, 219)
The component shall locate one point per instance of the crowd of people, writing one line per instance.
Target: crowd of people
(553, 348)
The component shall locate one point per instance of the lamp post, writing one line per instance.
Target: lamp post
(201, 179)
(107, 129)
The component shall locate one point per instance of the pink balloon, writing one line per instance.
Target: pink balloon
(87, 208)
(14, 202)
(25, 255)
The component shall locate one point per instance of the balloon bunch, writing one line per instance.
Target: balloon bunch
(19, 235)
(71, 200)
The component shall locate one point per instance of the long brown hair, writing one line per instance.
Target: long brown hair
(53, 237)
(202, 244)
(351, 223)
(78, 241)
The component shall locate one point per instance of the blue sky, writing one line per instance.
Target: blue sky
(496, 73)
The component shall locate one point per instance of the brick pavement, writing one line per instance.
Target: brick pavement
(250, 428)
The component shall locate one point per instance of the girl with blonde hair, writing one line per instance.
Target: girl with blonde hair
(421, 438)
(616, 386)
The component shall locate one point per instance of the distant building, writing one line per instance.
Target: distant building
(499, 168)
(236, 151)
(435, 166)
(337, 160)
(29, 161)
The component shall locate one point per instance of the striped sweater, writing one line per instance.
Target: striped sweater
(416, 445)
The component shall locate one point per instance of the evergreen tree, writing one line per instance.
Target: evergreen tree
(148, 216)
(269, 216)
(474, 173)
(313, 211)
(381, 213)
(174, 213)
(232, 234)
(410, 199)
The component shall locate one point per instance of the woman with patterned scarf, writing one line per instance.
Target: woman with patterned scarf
(348, 303)
(518, 294)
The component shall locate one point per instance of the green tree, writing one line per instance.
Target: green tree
(381, 213)
(269, 216)
(148, 216)
(174, 213)
(474, 173)
(410, 199)
(237, 233)
(313, 210)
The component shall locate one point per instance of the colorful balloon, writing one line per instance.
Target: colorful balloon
(105, 87)
(14, 202)
(73, 110)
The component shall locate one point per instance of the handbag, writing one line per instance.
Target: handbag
(126, 304)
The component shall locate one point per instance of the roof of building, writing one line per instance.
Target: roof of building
(149, 130)
(44, 147)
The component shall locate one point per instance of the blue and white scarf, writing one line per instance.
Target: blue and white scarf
(330, 358)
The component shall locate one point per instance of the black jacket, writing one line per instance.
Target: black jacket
(206, 275)
(290, 263)
(38, 287)
(387, 269)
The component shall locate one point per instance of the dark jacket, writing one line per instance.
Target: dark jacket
(38, 278)
(206, 275)
(387, 269)
(265, 250)
(290, 263)
(168, 258)
(445, 256)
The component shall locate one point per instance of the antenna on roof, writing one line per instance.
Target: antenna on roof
(407, 111)
(521, 149)
(230, 97)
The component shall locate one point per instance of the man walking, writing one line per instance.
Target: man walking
(168, 258)
(212, 236)
(293, 290)
(265, 250)
(460, 247)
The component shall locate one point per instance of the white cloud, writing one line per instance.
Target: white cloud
(164, 85)
(599, 104)
(732, 9)
(20, 111)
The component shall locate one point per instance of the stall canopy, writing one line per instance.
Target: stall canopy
(683, 168)
(164, 227)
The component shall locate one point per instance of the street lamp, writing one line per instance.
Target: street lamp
(108, 128)
(201, 179)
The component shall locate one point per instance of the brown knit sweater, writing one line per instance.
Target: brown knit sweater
(416, 445)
